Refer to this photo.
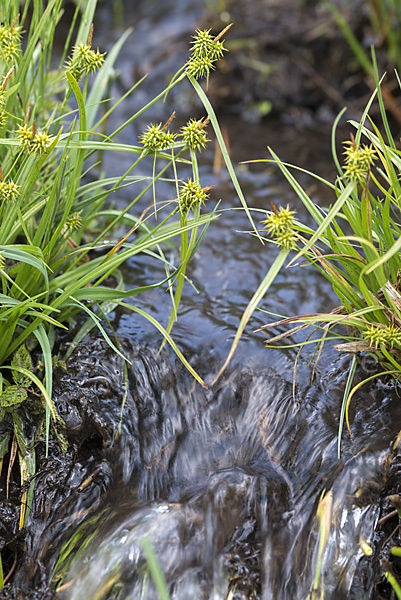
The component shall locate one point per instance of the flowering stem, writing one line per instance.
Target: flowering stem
(186, 249)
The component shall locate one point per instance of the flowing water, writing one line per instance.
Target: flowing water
(224, 483)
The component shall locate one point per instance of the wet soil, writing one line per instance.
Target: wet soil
(288, 60)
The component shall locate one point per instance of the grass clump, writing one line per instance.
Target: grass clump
(61, 239)
(355, 244)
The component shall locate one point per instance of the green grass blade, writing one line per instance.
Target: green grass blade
(43, 340)
(38, 383)
(343, 197)
(155, 570)
(394, 584)
(307, 202)
(169, 340)
(352, 40)
(347, 390)
(86, 21)
(333, 141)
(256, 298)
(213, 119)
(27, 258)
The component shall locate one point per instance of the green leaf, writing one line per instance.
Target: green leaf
(22, 441)
(169, 340)
(40, 334)
(22, 359)
(53, 411)
(155, 570)
(86, 21)
(334, 210)
(15, 253)
(347, 390)
(256, 298)
(12, 396)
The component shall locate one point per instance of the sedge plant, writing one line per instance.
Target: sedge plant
(61, 240)
(356, 245)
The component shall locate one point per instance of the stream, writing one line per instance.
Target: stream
(223, 484)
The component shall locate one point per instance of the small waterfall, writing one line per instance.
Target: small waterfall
(225, 485)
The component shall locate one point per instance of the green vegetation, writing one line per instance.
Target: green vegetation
(61, 239)
(385, 19)
(355, 245)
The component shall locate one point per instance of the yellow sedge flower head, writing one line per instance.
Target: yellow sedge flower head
(206, 51)
(74, 221)
(191, 194)
(279, 220)
(358, 161)
(84, 60)
(204, 45)
(279, 224)
(194, 134)
(379, 336)
(25, 135)
(10, 42)
(40, 142)
(33, 141)
(156, 138)
(8, 190)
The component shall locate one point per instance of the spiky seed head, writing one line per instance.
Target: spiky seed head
(156, 138)
(202, 41)
(194, 134)
(204, 45)
(25, 135)
(358, 161)
(279, 221)
(191, 194)
(287, 239)
(40, 143)
(3, 118)
(378, 336)
(279, 224)
(199, 67)
(10, 42)
(206, 51)
(74, 221)
(32, 140)
(84, 60)
(9, 190)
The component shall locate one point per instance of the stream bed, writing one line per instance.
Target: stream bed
(223, 484)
